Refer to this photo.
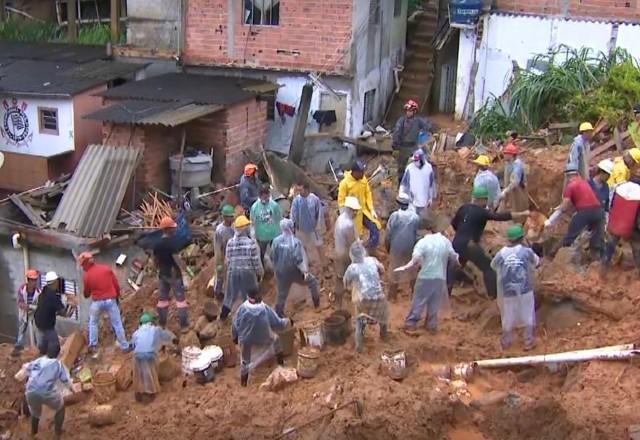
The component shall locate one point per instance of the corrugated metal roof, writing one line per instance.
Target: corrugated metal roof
(91, 202)
(169, 114)
(187, 87)
(49, 78)
(564, 17)
(57, 52)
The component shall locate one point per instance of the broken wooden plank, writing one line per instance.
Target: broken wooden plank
(27, 210)
(596, 152)
(296, 149)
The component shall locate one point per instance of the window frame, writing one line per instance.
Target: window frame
(368, 105)
(41, 122)
(252, 22)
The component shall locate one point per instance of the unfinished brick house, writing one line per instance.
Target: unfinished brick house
(514, 31)
(350, 46)
(221, 117)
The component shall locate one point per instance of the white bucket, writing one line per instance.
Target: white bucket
(214, 353)
(189, 356)
(311, 333)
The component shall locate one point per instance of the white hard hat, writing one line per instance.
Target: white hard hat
(352, 202)
(606, 165)
(50, 277)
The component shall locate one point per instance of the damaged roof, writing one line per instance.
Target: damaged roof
(191, 88)
(56, 52)
(58, 79)
(168, 114)
(92, 200)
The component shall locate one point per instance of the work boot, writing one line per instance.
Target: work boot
(244, 379)
(58, 421)
(34, 425)
(359, 335)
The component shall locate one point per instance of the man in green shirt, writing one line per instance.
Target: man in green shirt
(265, 215)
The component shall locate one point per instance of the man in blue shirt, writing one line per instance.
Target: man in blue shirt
(599, 182)
(306, 214)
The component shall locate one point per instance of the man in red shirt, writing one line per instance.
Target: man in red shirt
(589, 214)
(101, 285)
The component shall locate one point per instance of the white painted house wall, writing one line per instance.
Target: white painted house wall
(509, 38)
(27, 139)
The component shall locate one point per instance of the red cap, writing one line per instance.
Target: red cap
(167, 223)
(411, 105)
(84, 257)
(511, 149)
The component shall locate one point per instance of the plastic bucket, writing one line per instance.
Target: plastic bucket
(624, 208)
(287, 338)
(394, 364)
(203, 369)
(348, 328)
(104, 386)
(311, 334)
(308, 362)
(215, 354)
(189, 356)
(334, 330)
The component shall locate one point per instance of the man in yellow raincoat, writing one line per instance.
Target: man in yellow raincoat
(355, 184)
(622, 166)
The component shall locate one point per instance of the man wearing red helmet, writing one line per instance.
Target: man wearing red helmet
(27, 299)
(515, 180)
(405, 135)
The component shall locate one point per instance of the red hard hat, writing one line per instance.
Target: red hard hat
(167, 223)
(511, 149)
(32, 274)
(84, 257)
(411, 105)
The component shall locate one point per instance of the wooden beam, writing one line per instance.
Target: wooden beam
(72, 25)
(115, 21)
(296, 150)
(28, 211)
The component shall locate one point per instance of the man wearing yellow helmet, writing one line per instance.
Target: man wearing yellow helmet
(487, 179)
(580, 152)
(623, 167)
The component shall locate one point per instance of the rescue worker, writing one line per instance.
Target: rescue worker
(265, 216)
(630, 191)
(355, 184)
(487, 179)
(169, 273)
(49, 306)
(221, 236)
(405, 135)
(599, 183)
(27, 299)
(589, 214)
(147, 340)
(249, 187)
(514, 265)
(345, 233)
(290, 266)
(253, 327)
(306, 214)
(402, 233)
(244, 267)
(580, 152)
(623, 166)
(42, 389)
(101, 285)
(433, 253)
(515, 180)
(419, 182)
(362, 279)
(468, 224)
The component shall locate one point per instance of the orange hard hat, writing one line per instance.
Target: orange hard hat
(511, 149)
(167, 223)
(84, 257)
(32, 274)
(250, 169)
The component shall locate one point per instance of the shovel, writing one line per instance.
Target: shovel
(359, 411)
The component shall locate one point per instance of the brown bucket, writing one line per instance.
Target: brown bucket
(287, 338)
(308, 362)
(334, 329)
(394, 364)
(104, 386)
(347, 321)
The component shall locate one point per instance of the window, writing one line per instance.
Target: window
(48, 118)
(369, 106)
(397, 8)
(270, 99)
(262, 12)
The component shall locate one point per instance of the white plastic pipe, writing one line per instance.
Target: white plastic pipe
(615, 352)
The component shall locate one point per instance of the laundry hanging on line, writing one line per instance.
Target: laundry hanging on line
(325, 117)
(285, 109)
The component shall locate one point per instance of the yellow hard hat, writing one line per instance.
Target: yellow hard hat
(241, 222)
(483, 160)
(585, 126)
(635, 154)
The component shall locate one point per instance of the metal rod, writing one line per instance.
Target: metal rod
(218, 191)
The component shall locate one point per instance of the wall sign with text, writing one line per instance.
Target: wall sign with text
(15, 127)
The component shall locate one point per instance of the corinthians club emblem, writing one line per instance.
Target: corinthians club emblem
(15, 123)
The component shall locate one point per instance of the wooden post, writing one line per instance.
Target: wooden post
(115, 21)
(296, 150)
(72, 26)
(3, 12)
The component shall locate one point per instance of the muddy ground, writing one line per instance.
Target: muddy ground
(591, 400)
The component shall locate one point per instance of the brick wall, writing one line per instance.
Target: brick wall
(312, 35)
(600, 9)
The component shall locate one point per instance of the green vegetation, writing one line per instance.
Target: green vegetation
(564, 85)
(17, 29)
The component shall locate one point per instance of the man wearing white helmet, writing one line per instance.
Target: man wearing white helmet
(345, 233)
(419, 182)
(599, 182)
(405, 135)
(49, 306)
